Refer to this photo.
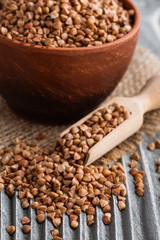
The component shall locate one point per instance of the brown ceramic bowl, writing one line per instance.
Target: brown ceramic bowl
(63, 83)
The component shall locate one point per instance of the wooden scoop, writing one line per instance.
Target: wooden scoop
(147, 100)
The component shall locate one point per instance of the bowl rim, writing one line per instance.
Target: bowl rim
(134, 30)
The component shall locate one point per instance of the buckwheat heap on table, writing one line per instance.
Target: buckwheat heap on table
(58, 181)
(65, 23)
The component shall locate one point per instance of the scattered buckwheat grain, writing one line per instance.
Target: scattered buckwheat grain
(55, 232)
(133, 163)
(11, 230)
(25, 220)
(26, 229)
(157, 143)
(135, 156)
(151, 146)
(41, 136)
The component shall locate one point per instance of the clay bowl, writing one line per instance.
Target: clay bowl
(63, 84)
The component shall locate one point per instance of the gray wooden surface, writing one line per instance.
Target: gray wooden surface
(150, 24)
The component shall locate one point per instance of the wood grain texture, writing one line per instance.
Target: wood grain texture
(149, 98)
(63, 83)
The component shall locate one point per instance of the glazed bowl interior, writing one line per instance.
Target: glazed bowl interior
(63, 84)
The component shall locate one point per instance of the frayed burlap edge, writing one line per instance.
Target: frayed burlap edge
(143, 66)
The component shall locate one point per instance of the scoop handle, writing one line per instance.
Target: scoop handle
(149, 97)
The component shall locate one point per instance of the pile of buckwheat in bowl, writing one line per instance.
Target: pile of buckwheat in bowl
(65, 23)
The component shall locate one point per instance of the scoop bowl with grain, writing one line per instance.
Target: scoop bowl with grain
(64, 83)
(116, 125)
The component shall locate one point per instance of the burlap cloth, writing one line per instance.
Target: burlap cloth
(143, 66)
